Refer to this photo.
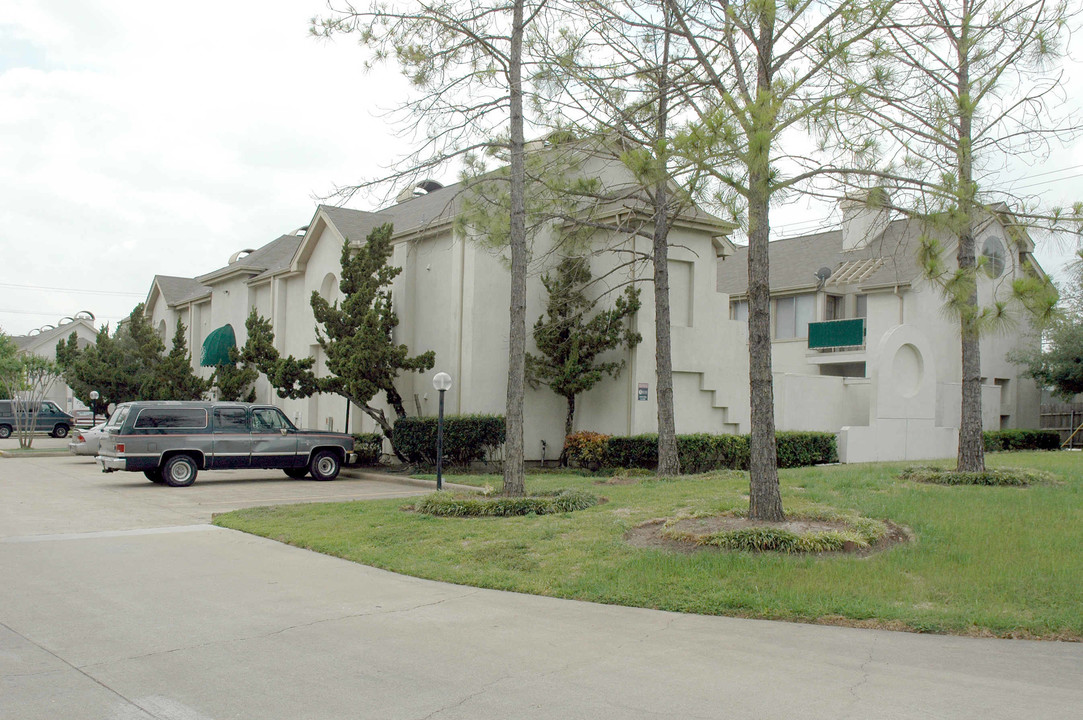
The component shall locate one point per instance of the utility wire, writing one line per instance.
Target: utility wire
(71, 290)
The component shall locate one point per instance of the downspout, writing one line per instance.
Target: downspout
(462, 317)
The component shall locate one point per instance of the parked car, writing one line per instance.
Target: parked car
(86, 441)
(86, 419)
(170, 442)
(50, 419)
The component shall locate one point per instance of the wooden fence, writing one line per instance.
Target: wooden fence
(1065, 418)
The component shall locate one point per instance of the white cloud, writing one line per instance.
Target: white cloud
(149, 139)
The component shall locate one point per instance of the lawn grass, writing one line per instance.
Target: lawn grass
(1003, 561)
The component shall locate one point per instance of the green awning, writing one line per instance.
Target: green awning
(217, 345)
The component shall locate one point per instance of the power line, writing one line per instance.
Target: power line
(72, 290)
(57, 313)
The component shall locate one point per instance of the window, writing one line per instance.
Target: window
(231, 419)
(792, 316)
(269, 420)
(188, 418)
(994, 254)
(739, 310)
(861, 306)
(835, 308)
(118, 417)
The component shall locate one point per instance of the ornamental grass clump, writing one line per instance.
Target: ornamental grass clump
(1009, 477)
(852, 532)
(454, 505)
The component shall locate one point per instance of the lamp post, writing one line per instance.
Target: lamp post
(442, 382)
(94, 407)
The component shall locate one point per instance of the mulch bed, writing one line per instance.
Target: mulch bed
(649, 534)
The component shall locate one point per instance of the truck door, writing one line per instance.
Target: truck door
(274, 440)
(232, 441)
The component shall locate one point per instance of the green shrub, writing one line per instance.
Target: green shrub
(801, 449)
(466, 438)
(587, 449)
(1009, 477)
(702, 452)
(454, 505)
(632, 451)
(369, 447)
(858, 532)
(1021, 440)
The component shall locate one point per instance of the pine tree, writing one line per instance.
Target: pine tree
(357, 334)
(570, 340)
(173, 378)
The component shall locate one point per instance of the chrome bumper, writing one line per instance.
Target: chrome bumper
(351, 458)
(109, 464)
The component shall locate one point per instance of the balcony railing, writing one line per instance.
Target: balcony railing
(834, 334)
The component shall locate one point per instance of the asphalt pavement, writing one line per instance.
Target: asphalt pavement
(119, 601)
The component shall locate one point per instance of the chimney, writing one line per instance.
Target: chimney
(864, 217)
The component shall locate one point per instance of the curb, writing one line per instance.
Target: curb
(15, 455)
(416, 482)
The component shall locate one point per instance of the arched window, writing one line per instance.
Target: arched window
(995, 256)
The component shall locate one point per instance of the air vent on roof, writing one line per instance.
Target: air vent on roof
(422, 188)
(300, 231)
(240, 254)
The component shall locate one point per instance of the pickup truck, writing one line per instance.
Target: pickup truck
(170, 442)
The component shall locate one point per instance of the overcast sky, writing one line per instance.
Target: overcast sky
(146, 138)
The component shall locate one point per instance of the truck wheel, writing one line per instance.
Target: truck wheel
(325, 465)
(296, 473)
(179, 471)
(5, 432)
(155, 475)
(60, 431)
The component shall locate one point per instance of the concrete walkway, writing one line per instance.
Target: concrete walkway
(118, 601)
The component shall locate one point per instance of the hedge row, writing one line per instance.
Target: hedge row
(557, 501)
(1021, 440)
(699, 452)
(466, 438)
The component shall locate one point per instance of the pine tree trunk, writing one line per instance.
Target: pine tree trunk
(971, 456)
(514, 484)
(669, 463)
(381, 420)
(765, 500)
(569, 425)
(395, 401)
(971, 442)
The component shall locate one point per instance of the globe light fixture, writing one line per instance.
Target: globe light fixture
(442, 382)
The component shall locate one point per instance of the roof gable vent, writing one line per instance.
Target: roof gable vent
(240, 254)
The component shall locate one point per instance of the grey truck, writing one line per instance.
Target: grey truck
(170, 442)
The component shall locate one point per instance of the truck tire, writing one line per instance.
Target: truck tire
(179, 471)
(325, 465)
(60, 431)
(5, 432)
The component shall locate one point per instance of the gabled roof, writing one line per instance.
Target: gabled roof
(891, 258)
(49, 338)
(273, 256)
(177, 290)
(412, 215)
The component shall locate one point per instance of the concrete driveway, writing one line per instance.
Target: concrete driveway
(118, 601)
